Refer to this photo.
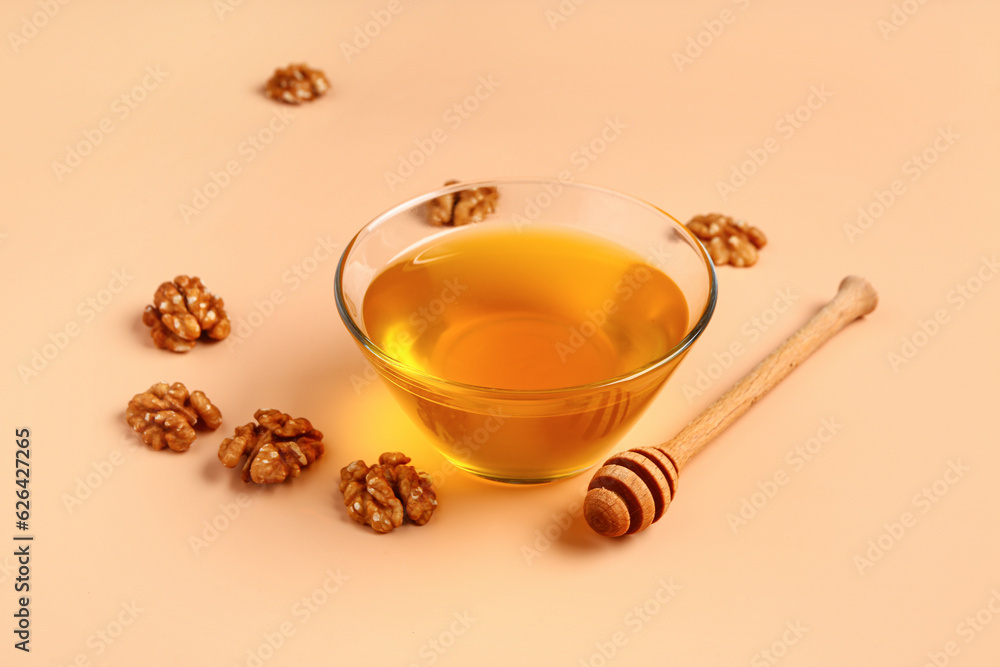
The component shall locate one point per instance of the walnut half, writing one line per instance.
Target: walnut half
(184, 311)
(276, 448)
(297, 83)
(728, 241)
(379, 495)
(164, 415)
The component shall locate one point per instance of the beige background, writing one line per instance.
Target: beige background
(503, 576)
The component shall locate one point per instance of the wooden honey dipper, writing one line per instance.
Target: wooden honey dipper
(634, 488)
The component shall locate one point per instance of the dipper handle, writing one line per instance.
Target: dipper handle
(634, 488)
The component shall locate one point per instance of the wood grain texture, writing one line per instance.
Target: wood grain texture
(640, 494)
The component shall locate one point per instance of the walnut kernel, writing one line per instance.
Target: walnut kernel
(164, 415)
(379, 495)
(297, 83)
(463, 207)
(184, 311)
(276, 448)
(728, 241)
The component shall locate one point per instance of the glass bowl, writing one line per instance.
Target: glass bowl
(526, 436)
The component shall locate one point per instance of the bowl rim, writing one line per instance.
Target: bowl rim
(409, 371)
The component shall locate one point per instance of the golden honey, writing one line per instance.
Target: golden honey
(516, 321)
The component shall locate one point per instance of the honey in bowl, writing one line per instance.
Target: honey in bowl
(522, 313)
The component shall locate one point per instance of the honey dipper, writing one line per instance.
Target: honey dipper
(634, 488)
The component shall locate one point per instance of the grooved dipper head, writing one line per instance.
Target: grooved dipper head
(632, 490)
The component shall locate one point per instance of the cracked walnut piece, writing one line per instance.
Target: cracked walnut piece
(728, 242)
(277, 447)
(164, 415)
(378, 495)
(297, 83)
(184, 311)
(460, 208)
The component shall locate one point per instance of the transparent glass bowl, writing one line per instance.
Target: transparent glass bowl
(529, 436)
